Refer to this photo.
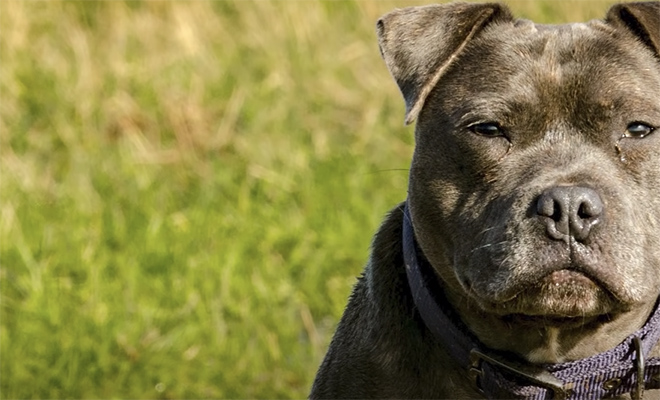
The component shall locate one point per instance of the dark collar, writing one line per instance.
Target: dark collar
(611, 373)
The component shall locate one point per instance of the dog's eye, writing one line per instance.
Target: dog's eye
(491, 129)
(638, 130)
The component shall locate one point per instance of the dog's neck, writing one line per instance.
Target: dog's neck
(604, 363)
(553, 344)
(549, 351)
(548, 343)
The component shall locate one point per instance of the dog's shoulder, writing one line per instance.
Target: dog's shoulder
(358, 355)
(380, 340)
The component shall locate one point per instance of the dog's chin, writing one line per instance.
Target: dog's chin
(561, 296)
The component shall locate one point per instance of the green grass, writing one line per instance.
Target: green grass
(188, 189)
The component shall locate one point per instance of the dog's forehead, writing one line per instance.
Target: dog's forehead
(528, 26)
(550, 44)
(574, 73)
(556, 53)
(586, 58)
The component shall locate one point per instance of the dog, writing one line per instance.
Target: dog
(525, 262)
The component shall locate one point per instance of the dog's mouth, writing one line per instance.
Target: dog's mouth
(561, 295)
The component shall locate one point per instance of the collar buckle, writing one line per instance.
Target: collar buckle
(540, 377)
(638, 391)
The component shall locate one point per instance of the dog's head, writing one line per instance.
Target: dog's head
(535, 183)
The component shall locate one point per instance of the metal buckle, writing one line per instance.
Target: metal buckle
(638, 393)
(538, 377)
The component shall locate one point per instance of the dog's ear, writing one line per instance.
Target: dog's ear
(642, 19)
(419, 43)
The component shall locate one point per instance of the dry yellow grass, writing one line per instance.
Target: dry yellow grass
(188, 189)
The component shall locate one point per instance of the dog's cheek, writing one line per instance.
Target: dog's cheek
(459, 157)
(451, 172)
(642, 161)
(459, 217)
(483, 263)
(636, 154)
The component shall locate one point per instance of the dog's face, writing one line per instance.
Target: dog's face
(535, 183)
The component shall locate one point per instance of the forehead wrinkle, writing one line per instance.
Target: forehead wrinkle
(482, 110)
(557, 71)
(491, 107)
(552, 70)
(542, 72)
(547, 52)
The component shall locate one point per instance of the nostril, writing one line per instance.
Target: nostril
(547, 206)
(556, 212)
(591, 207)
(583, 211)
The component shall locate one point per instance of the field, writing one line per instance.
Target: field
(188, 189)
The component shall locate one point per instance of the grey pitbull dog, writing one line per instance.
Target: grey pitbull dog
(525, 262)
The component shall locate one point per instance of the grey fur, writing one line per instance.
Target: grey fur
(564, 96)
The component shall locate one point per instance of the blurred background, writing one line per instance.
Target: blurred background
(188, 189)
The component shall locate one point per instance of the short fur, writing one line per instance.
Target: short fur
(563, 98)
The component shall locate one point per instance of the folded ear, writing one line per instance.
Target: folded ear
(419, 43)
(642, 19)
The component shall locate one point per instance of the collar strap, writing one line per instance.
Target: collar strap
(623, 369)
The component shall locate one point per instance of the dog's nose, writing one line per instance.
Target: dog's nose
(570, 211)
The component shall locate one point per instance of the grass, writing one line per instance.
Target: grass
(189, 188)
